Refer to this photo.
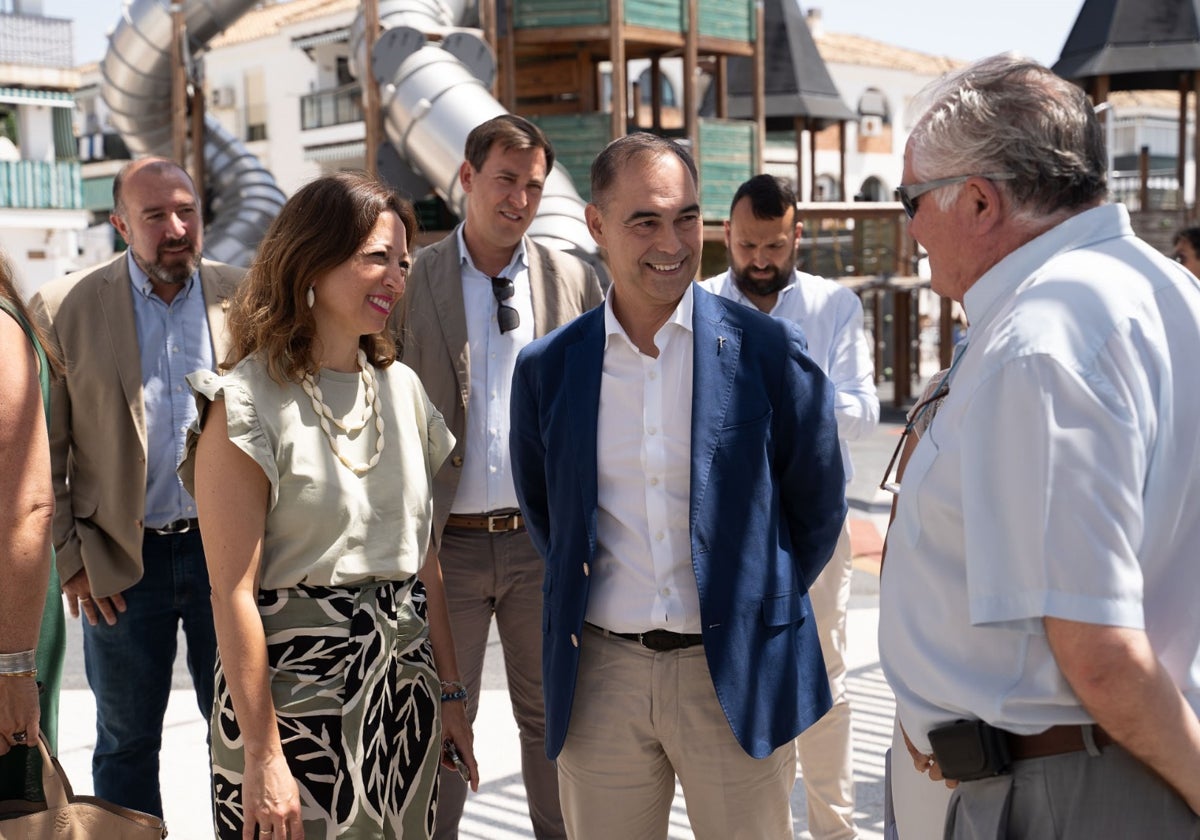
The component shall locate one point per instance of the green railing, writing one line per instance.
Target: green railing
(35, 185)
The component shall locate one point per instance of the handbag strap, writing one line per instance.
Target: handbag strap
(43, 362)
(54, 781)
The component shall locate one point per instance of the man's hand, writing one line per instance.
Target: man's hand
(79, 599)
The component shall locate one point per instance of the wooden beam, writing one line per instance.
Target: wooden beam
(616, 54)
(199, 176)
(842, 160)
(1195, 148)
(370, 87)
(509, 91)
(812, 166)
(691, 63)
(759, 103)
(179, 121)
(1185, 84)
(721, 80)
(487, 22)
(656, 102)
(799, 124)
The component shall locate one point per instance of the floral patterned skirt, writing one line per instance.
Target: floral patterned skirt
(358, 704)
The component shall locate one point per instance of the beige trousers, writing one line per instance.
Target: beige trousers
(825, 750)
(640, 720)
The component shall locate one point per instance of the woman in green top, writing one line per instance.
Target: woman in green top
(31, 619)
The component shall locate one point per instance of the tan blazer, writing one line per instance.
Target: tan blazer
(97, 417)
(431, 329)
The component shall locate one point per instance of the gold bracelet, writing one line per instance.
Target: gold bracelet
(29, 673)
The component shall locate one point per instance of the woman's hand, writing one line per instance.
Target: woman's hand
(456, 728)
(271, 800)
(19, 712)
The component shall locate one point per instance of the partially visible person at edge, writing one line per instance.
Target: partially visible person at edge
(125, 532)
(762, 234)
(1185, 250)
(312, 462)
(474, 300)
(918, 803)
(1037, 615)
(32, 631)
(676, 457)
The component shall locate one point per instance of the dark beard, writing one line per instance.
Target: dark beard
(765, 287)
(171, 276)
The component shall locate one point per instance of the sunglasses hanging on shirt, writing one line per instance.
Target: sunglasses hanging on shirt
(507, 315)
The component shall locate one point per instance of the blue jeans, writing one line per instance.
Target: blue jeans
(129, 667)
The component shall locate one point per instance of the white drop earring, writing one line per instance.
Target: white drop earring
(311, 296)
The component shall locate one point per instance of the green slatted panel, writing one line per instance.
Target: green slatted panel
(725, 19)
(656, 14)
(577, 139)
(726, 161)
(543, 14)
(36, 185)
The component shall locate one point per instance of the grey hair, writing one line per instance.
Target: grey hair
(1007, 113)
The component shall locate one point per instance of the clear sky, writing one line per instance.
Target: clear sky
(964, 29)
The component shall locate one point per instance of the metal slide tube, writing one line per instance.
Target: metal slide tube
(136, 87)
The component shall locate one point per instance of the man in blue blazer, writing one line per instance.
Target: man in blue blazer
(676, 460)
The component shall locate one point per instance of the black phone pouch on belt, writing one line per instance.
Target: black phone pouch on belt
(967, 750)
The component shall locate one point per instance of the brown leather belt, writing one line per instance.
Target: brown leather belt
(1054, 741)
(494, 523)
(657, 640)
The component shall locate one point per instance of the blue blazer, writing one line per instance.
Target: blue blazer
(767, 506)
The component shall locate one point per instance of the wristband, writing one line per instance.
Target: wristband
(18, 663)
(453, 696)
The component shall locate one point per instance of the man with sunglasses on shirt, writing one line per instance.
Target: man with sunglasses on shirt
(1037, 616)
(761, 238)
(472, 302)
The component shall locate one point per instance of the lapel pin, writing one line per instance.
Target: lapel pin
(720, 344)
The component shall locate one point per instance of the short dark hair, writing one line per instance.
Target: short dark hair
(621, 151)
(318, 229)
(511, 132)
(1192, 235)
(770, 197)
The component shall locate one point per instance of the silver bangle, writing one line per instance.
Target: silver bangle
(18, 663)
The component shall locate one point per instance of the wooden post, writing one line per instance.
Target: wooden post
(656, 102)
(616, 54)
(760, 95)
(800, 123)
(1144, 179)
(812, 167)
(945, 335)
(199, 176)
(1191, 216)
(721, 80)
(1185, 84)
(487, 22)
(509, 91)
(842, 161)
(370, 87)
(179, 123)
(691, 63)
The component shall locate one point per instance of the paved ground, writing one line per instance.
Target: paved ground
(498, 811)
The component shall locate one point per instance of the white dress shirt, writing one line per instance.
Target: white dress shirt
(486, 483)
(642, 577)
(1060, 477)
(831, 317)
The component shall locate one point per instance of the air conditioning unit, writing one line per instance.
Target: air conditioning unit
(870, 126)
(221, 97)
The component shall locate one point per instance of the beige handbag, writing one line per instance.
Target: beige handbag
(65, 816)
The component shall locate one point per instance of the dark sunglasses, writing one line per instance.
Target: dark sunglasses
(907, 194)
(507, 315)
(915, 415)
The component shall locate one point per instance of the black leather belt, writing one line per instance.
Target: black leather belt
(493, 523)
(179, 526)
(658, 640)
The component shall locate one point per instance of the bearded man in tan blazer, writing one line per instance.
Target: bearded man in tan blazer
(128, 548)
(473, 301)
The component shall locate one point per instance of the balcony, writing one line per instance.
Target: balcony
(36, 41)
(33, 185)
(335, 106)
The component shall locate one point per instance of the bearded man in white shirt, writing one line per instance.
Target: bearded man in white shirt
(1037, 619)
(761, 238)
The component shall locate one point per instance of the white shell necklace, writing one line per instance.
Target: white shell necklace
(371, 407)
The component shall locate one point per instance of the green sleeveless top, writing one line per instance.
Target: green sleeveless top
(20, 769)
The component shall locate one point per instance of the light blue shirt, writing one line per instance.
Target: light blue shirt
(173, 341)
(486, 483)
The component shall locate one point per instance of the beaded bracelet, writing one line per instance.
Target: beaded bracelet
(17, 664)
(458, 691)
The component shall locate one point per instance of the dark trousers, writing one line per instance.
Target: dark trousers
(129, 667)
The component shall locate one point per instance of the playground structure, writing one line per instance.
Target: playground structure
(435, 81)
